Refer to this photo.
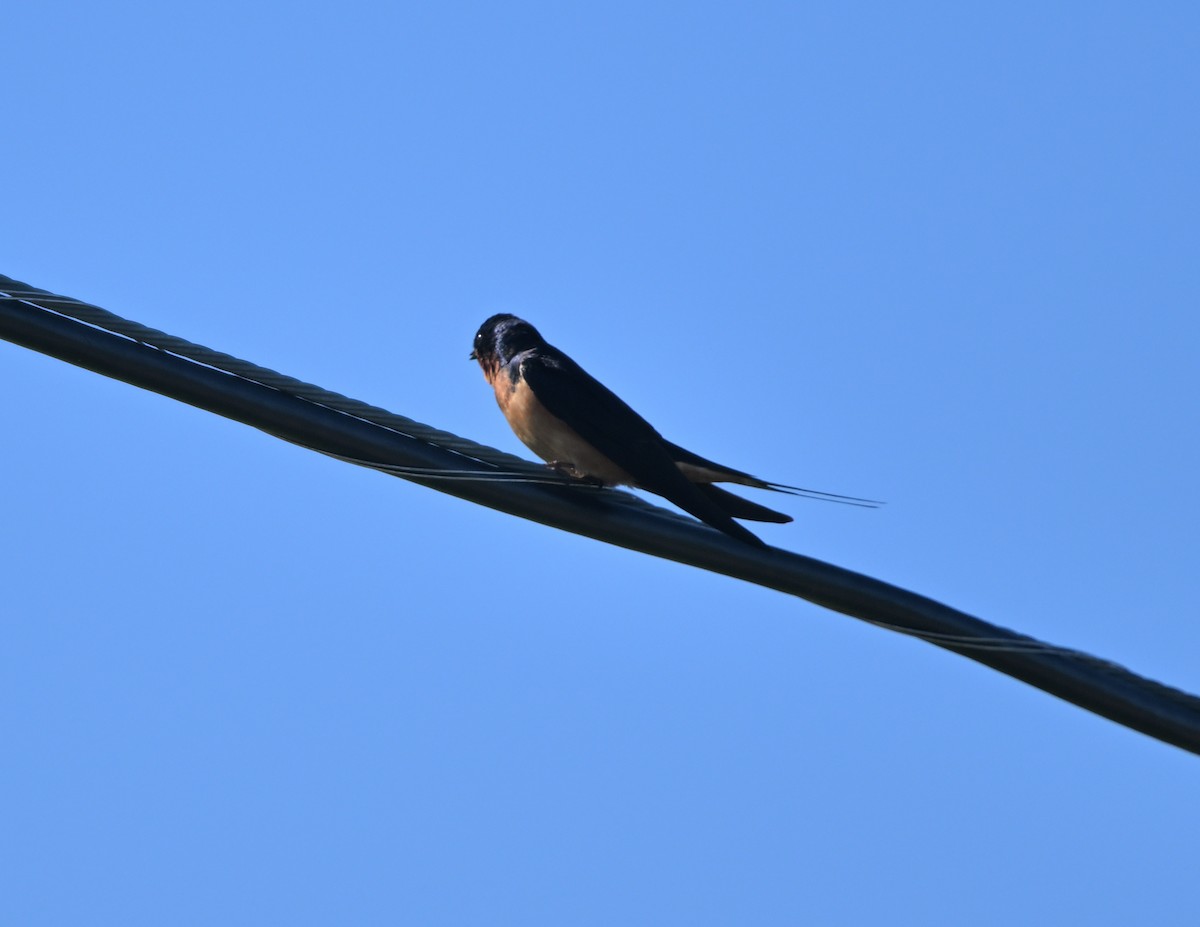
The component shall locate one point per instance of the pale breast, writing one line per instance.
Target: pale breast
(549, 437)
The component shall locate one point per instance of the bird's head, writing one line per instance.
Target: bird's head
(500, 339)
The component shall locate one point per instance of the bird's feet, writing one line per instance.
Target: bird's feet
(567, 469)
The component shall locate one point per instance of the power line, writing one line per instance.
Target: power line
(356, 432)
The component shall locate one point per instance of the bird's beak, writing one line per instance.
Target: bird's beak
(472, 356)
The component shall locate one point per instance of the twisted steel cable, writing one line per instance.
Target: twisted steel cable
(368, 436)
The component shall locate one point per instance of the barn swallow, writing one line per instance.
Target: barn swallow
(582, 429)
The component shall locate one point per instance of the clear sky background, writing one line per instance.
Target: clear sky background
(939, 254)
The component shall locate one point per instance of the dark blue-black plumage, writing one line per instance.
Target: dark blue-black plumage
(582, 428)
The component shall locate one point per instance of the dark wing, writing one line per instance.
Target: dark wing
(605, 422)
(738, 507)
(730, 475)
(727, 474)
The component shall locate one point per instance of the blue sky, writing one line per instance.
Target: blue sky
(936, 254)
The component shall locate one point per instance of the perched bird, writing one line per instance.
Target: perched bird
(581, 428)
